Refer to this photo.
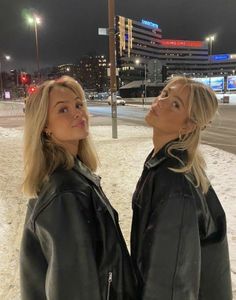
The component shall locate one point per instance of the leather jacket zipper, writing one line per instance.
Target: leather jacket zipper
(109, 285)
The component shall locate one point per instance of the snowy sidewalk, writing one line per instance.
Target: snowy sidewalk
(121, 165)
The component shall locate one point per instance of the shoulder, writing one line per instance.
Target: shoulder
(65, 180)
(65, 190)
(169, 181)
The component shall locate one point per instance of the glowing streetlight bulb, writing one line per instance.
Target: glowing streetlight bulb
(30, 20)
(137, 61)
(8, 57)
(210, 38)
(34, 20)
(37, 20)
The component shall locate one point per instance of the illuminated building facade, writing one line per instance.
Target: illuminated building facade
(69, 70)
(184, 57)
(93, 73)
(142, 40)
(135, 39)
(222, 64)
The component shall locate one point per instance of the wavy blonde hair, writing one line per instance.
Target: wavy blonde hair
(203, 106)
(41, 155)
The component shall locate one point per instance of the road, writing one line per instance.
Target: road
(221, 133)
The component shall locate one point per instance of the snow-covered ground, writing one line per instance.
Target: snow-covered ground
(121, 165)
(232, 97)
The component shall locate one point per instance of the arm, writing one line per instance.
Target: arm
(65, 238)
(171, 252)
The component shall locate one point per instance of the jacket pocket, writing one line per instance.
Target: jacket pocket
(109, 282)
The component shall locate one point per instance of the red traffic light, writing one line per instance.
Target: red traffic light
(24, 78)
(32, 89)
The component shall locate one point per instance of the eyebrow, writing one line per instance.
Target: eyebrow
(177, 97)
(66, 101)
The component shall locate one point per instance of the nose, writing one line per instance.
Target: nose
(77, 113)
(157, 102)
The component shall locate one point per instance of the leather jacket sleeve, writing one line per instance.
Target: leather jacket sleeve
(64, 234)
(171, 255)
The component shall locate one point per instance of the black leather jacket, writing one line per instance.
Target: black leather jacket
(72, 247)
(178, 242)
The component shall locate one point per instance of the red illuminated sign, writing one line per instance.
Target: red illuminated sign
(180, 43)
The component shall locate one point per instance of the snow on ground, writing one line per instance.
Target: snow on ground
(11, 108)
(232, 97)
(121, 164)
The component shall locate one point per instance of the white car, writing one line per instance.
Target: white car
(119, 100)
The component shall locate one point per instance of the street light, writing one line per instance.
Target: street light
(137, 62)
(210, 39)
(5, 57)
(112, 58)
(35, 21)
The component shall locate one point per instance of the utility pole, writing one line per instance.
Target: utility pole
(112, 54)
(145, 82)
(37, 46)
(1, 81)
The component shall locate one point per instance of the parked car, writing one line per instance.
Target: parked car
(119, 100)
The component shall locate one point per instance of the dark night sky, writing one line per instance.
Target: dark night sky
(69, 27)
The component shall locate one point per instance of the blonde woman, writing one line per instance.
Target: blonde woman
(72, 247)
(178, 243)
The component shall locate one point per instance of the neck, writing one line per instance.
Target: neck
(160, 140)
(72, 147)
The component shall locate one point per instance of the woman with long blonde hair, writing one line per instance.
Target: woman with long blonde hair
(179, 241)
(72, 246)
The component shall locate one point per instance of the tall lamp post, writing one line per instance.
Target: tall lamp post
(5, 57)
(35, 21)
(210, 39)
(113, 86)
(137, 62)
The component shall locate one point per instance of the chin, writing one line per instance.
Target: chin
(149, 120)
(85, 135)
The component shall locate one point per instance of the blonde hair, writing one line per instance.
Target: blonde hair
(203, 105)
(41, 155)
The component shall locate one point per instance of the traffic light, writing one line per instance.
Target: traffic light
(32, 89)
(14, 76)
(24, 78)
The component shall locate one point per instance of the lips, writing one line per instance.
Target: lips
(80, 124)
(153, 111)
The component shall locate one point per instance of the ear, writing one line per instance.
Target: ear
(46, 131)
(189, 126)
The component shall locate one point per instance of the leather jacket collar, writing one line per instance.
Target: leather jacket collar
(86, 172)
(155, 160)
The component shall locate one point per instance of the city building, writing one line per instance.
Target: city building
(93, 73)
(222, 64)
(71, 70)
(135, 40)
(143, 53)
(184, 57)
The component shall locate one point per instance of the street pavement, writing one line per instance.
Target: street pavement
(220, 134)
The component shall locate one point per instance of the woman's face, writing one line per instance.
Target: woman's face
(67, 119)
(169, 112)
